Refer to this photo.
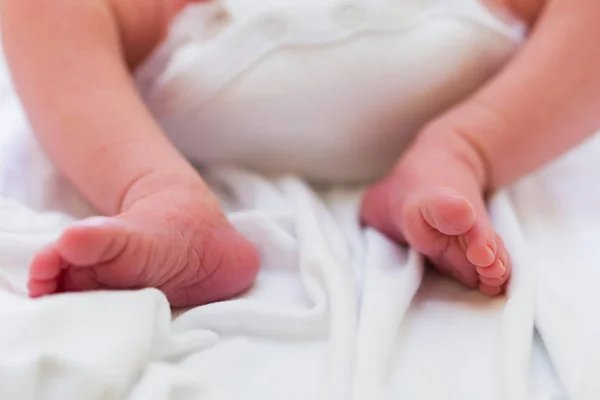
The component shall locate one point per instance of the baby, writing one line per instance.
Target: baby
(72, 64)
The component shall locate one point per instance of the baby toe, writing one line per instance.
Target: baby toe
(498, 273)
(495, 282)
(44, 272)
(494, 271)
(481, 246)
(491, 291)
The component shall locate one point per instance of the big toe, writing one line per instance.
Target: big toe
(439, 211)
(44, 271)
(93, 241)
(86, 243)
(448, 212)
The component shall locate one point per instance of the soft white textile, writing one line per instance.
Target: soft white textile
(337, 313)
(332, 90)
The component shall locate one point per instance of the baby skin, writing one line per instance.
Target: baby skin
(434, 201)
(162, 226)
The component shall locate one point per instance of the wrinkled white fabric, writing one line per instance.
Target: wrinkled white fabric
(338, 311)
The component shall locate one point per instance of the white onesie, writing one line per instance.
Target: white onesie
(328, 89)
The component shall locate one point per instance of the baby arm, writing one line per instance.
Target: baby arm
(543, 103)
(70, 61)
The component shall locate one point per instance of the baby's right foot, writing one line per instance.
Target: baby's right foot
(176, 242)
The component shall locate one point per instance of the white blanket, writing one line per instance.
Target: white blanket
(338, 312)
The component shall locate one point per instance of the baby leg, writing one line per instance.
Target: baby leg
(164, 229)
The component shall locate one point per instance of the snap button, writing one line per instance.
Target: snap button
(199, 23)
(219, 20)
(349, 15)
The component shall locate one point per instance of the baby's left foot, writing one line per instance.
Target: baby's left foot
(433, 201)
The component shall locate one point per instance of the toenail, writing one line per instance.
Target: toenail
(490, 250)
(502, 266)
(458, 197)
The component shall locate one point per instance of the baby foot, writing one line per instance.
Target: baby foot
(175, 242)
(433, 201)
